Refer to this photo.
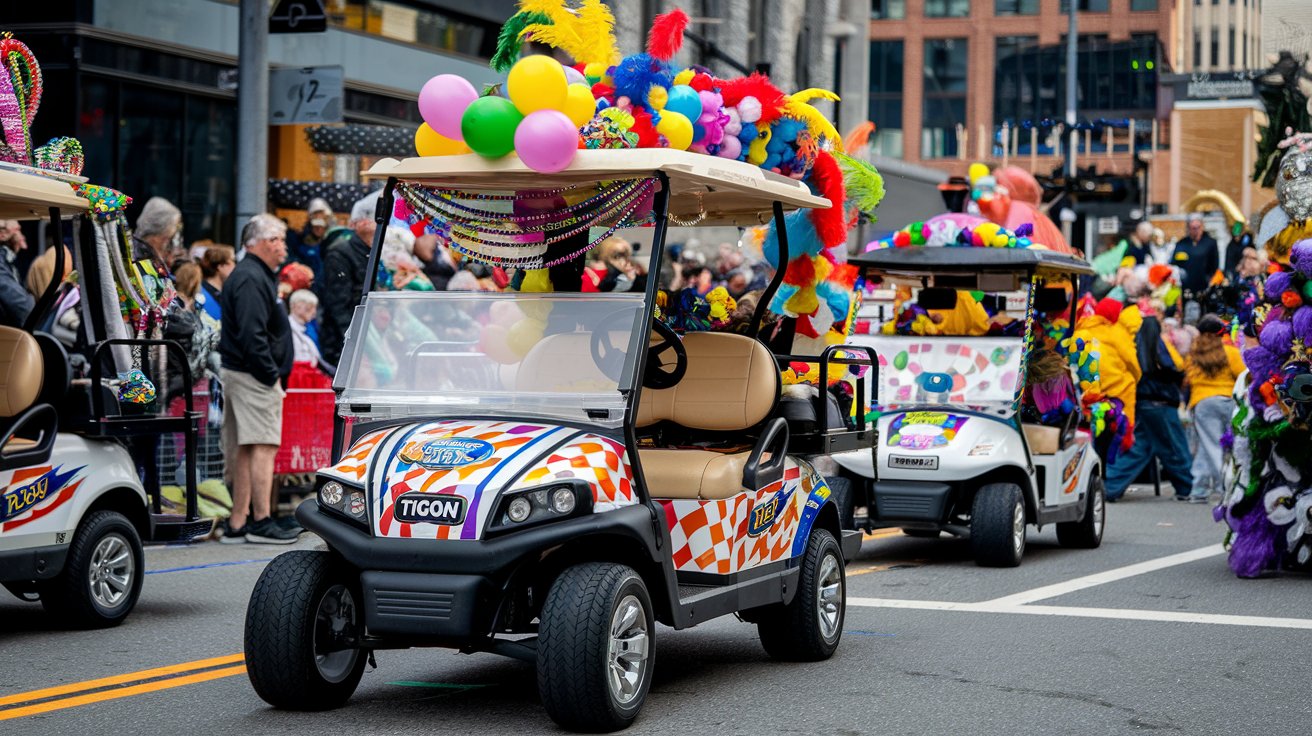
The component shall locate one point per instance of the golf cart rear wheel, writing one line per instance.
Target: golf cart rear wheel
(808, 629)
(101, 579)
(595, 647)
(997, 525)
(1087, 532)
(301, 626)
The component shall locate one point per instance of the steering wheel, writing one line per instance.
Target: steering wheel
(658, 375)
(609, 358)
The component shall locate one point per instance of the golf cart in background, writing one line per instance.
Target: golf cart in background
(548, 475)
(953, 454)
(74, 510)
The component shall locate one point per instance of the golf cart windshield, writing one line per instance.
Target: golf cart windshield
(972, 373)
(559, 356)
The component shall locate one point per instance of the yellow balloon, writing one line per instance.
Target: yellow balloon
(429, 142)
(580, 105)
(976, 171)
(537, 83)
(523, 335)
(676, 128)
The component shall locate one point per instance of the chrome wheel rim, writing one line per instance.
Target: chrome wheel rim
(1099, 510)
(1018, 528)
(334, 627)
(829, 597)
(627, 656)
(112, 571)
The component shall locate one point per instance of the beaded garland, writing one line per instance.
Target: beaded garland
(503, 238)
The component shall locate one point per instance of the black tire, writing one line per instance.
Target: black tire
(798, 631)
(101, 579)
(302, 603)
(586, 605)
(923, 533)
(840, 492)
(1087, 532)
(997, 525)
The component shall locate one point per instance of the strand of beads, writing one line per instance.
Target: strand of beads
(466, 232)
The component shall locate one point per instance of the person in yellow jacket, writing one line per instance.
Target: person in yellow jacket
(966, 319)
(1118, 360)
(1210, 374)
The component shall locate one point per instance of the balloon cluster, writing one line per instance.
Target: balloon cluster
(511, 332)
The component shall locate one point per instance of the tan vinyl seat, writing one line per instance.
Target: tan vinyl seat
(21, 371)
(731, 384)
(1042, 439)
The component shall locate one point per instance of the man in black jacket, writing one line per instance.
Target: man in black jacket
(1197, 256)
(255, 345)
(345, 267)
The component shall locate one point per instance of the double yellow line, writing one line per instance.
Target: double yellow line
(119, 686)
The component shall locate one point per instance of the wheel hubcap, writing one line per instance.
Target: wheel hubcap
(334, 633)
(829, 598)
(1018, 528)
(111, 572)
(1098, 509)
(627, 656)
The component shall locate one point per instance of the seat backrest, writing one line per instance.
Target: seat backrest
(732, 383)
(56, 371)
(21, 371)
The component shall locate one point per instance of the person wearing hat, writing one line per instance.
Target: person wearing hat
(345, 267)
(1213, 367)
(1118, 360)
(306, 246)
(1197, 256)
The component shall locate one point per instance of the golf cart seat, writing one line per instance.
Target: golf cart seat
(1042, 439)
(23, 370)
(731, 385)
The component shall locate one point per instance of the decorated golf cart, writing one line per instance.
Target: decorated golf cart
(958, 448)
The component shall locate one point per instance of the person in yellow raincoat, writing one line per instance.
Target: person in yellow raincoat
(966, 319)
(1118, 360)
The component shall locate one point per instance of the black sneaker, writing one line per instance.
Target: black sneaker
(288, 522)
(232, 536)
(267, 531)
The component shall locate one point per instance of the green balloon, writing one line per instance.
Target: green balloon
(488, 126)
(900, 360)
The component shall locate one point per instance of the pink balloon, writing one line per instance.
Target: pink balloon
(442, 102)
(546, 141)
(730, 147)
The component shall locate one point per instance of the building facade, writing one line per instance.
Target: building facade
(1286, 26)
(1222, 35)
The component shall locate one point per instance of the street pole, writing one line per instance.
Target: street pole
(252, 112)
(1072, 39)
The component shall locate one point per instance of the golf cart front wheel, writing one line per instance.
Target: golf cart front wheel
(808, 629)
(302, 626)
(595, 647)
(997, 525)
(1087, 532)
(101, 579)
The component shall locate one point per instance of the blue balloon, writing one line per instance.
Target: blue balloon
(685, 101)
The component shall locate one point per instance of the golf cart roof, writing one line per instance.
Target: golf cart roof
(960, 260)
(26, 196)
(728, 192)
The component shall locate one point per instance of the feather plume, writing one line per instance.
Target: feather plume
(509, 43)
(813, 93)
(816, 123)
(862, 182)
(758, 86)
(826, 178)
(666, 36)
(858, 137)
(556, 35)
(596, 27)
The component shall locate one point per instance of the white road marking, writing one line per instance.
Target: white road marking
(1126, 614)
(1101, 578)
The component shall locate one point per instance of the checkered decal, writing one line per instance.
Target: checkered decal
(602, 462)
(720, 536)
(354, 466)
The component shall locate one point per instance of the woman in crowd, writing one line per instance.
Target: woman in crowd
(215, 265)
(1211, 370)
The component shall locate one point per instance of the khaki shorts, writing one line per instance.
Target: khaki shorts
(252, 412)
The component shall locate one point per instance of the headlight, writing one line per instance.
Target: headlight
(331, 493)
(355, 504)
(562, 500)
(537, 505)
(519, 509)
(344, 500)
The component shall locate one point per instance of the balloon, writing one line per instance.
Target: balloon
(443, 100)
(976, 171)
(546, 141)
(730, 147)
(429, 142)
(580, 105)
(574, 76)
(676, 128)
(685, 101)
(537, 83)
(495, 344)
(504, 313)
(489, 126)
(524, 334)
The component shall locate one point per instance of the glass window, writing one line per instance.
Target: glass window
(1015, 81)
(886, 68)
(1231, 49)
(1114, 80)
(1216, 47)
(888, 9)
(1015, 7)
(1086, 6)
(946, 62)
(1145, 5)
(415, 23)
(947, 8)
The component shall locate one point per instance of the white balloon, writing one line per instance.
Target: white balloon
(574, 76)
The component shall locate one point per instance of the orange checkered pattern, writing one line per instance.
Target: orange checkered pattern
(355, 464)
(602, 462)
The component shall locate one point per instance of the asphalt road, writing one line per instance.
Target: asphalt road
(933, 645)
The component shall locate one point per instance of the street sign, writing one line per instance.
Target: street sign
(302, 96)
(298, 16)
(1109, 225)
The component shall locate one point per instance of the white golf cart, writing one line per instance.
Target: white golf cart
(952, 453)
(73, 509)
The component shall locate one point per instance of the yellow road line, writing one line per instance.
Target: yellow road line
(882, 533)
(77, 687)
(126, 692)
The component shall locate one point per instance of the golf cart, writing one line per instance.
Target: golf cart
(74, 510)
(953, 453)
(548, 475)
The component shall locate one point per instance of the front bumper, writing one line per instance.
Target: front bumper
(33, 563)
(449, 592)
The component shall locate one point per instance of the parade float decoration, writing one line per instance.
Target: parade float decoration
(1268, 508)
